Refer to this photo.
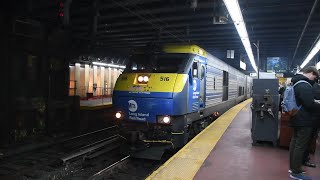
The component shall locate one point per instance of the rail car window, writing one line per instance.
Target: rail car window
(195, 69)
(158, 64)
(241, 91)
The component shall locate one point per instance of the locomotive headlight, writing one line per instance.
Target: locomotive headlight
(164, 119)
(140, 79)
(145, 78)
(118, 115)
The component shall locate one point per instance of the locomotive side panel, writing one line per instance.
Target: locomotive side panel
(213, 86)
(214, 78)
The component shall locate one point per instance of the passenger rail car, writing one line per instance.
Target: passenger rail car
(170, 96)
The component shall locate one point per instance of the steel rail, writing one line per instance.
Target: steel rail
(101, 173)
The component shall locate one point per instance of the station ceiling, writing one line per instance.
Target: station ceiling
(284, 28)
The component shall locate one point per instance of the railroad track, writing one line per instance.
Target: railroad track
(127, 167)
(77, 158)
(61, 158)
(103, 173)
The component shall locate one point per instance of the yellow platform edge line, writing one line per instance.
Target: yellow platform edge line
(96, 107)
(216, 129)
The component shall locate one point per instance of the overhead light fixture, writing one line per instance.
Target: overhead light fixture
(318, 65)
(236, 15)
(312, 53)
(99, 63)
(108, 65)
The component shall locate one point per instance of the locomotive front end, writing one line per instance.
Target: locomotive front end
(144, 101)
(150, 97)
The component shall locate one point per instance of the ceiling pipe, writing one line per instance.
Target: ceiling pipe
(304, 29)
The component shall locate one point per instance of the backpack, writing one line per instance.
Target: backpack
(289, 104)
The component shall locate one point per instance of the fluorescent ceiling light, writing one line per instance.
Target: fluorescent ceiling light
(318, 65)
(108, 65)
(99, 63)
(112, 65)
(241, 28)
(234, 10)
(235, 13)
(312, 53)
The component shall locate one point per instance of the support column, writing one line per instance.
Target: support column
(105, 83)
(77, 78)
(5, 81)
(102, 90)
(72, 81)
(95, 68)
(109, 82)
(115, 77)
(86, 78)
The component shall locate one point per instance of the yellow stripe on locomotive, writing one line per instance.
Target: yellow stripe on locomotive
(157, 82)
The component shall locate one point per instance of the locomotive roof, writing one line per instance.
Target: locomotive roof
(192, 49)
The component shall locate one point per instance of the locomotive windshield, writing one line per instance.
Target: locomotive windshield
(168, 63)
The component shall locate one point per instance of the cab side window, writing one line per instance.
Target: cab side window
(195, 69)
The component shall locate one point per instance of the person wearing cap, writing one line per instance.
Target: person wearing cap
(302, 123)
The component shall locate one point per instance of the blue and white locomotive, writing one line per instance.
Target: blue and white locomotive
(170, 96)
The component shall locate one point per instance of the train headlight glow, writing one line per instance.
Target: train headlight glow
(118, 115)
(145, 78)
(140, 79)
(164, 119)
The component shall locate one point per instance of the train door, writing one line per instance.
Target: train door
(202, 85)
(197, 91)
(194, 97)
(225, 85)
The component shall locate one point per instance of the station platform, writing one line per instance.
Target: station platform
(224, 151)
(96, 103)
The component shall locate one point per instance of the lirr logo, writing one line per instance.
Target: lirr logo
(133, 106)
(194, 85)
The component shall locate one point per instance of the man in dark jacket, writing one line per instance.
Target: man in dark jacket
(316, 121)
(302, 122)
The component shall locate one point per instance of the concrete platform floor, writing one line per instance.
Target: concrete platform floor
(235, 158)
(96, 102)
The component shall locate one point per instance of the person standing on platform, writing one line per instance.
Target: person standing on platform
(302, 122)
(282, 88)
(314, 135)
